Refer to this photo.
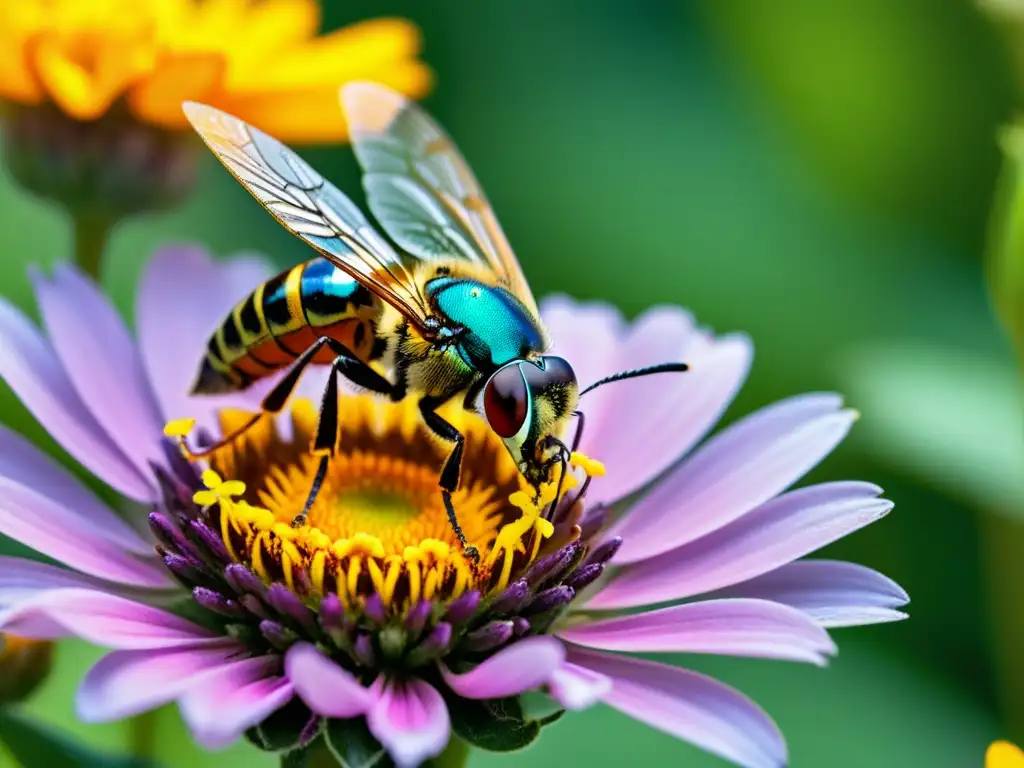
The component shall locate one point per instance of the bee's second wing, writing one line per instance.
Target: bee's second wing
(421, 189)
(309, 206)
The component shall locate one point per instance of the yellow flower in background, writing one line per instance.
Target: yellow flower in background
(91, 92)
(1003, 754)
(261, 60)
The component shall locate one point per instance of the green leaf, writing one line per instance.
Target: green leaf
(951, 417)
(297, 758)
(284, 731)
(539, 706)
(497, 725)
(551, 719)
(31, 743)
(1006, 236)
(864, 141)
(353, 746)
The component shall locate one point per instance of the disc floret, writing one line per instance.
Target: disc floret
(369, 599)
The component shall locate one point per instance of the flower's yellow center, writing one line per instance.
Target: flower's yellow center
(378, 524)
(390, 498)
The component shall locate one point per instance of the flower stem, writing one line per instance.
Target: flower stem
(1003, 541)
(91, 231)
(316, 755)
(142, 735)
(455, 755)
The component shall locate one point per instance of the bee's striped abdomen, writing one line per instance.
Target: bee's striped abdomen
(282, 318)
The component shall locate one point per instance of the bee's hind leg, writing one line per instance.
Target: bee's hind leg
(273, 402)
(325, 442)
(449, 480)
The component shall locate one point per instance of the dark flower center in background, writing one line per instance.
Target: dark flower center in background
(107, 168)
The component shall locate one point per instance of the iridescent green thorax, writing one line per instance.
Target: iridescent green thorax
(499, 328)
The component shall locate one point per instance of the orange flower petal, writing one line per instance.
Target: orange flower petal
(16, 81)
(261, 60)
(1003, 754)
(18, 21)
(314, 115)
(176, 78)
(85, 93)
(348, 54)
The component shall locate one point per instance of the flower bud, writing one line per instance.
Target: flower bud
(24, 664)
(99, 171)
(1005, 265)
(110, 167)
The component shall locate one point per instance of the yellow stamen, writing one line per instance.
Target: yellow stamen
(591, 467)
(217, 489)
(378, 525)
(179, 427)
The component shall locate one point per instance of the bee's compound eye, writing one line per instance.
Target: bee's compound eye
(505, 401)
(556, 372)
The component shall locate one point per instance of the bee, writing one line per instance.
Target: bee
(447, 314)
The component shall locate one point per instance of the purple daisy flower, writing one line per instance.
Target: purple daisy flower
(368, 629)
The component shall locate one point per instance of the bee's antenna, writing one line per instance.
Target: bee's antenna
(637, 373)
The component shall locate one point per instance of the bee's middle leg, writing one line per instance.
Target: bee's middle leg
(449, 480)
(324, 444)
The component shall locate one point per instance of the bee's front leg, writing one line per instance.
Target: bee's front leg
(449, 479)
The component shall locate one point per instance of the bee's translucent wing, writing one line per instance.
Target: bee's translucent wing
(421, 189)
(309, 206)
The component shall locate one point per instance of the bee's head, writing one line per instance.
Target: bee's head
(526, 402)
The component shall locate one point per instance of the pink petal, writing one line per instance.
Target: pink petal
(100, 357)
(577, 688)
(756, 628)
(777, 532)
(22, 582)
(21, 579)
(108, 620)
(30, 367)
(125, 683)
(835, 594)
(223, 704)
(410, 720)
(26, 465)
(183, 296)
(23, 620)
(326, 688)
(588, 335)
(242, 272)
(734, 472)
(523, 666)
(650, 423)
(86, 544)
(689, 706)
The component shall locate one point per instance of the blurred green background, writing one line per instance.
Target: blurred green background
(817, 174)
